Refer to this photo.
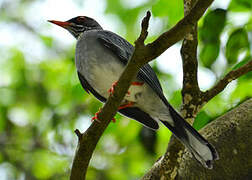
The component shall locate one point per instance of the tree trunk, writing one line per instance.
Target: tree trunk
(231, 134)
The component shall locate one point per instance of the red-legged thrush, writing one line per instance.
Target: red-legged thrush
(100, 59)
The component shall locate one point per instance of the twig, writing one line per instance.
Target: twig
(144, 32)
(221, 85)
(78, 133)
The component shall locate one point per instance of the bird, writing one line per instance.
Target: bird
(100, 59)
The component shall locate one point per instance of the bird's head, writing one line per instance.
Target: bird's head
(78, 25)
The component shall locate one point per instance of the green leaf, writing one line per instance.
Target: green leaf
(240, 5)
(201, 120)
(126, 15)
(173, 9)
(248, 76)
(209, 53)
(237, 42)
(213, 25)
(209, 34)
(176, 99)
(241, 63)
(248, 25)
(243, 90)
(3, 115)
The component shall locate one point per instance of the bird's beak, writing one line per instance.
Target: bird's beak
(60, 23)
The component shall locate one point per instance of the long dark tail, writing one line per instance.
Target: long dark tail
(203, 152)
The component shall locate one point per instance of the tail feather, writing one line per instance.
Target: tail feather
(201, 149)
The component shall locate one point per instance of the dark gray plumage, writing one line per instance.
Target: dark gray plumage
(100, 59)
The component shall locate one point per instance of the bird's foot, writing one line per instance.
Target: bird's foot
(95, 118)
(135, 83)
(113, 120)
(129, 104)
(112, 89)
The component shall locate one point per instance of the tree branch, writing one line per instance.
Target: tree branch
(141, 55)
(190, 92)
(190, 89)
(221, 85)
(144, 31)
(193, 99)
(175, 34)
(230, 134)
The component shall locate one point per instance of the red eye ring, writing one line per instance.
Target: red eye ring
(81, 18)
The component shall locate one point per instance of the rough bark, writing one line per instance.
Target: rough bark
(231, 135)
(190, 90)
(232, 75)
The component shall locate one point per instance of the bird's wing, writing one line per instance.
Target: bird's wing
(124, 50)
(89, 88)
(134, 113)
(140, 116)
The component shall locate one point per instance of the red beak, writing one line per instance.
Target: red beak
(60, 23)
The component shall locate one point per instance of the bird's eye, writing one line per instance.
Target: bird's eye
(81, 18)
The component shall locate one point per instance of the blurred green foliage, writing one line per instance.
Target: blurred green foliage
(237, 42)
(42, 102)
(210, 36)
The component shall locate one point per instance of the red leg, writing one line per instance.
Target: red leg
(111, 90)
(95, 118)
(126, 105)
(113, 120)
(135, 83)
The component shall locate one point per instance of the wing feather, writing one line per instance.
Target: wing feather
(124, 50)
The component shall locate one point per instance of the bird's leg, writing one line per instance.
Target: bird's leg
(111, 90)
(95, 118)
(135, 83)
(129, 104)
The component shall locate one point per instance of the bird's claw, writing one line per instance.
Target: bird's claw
(135, 83)
(95, 118)
(112, 89)
(113, 120)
